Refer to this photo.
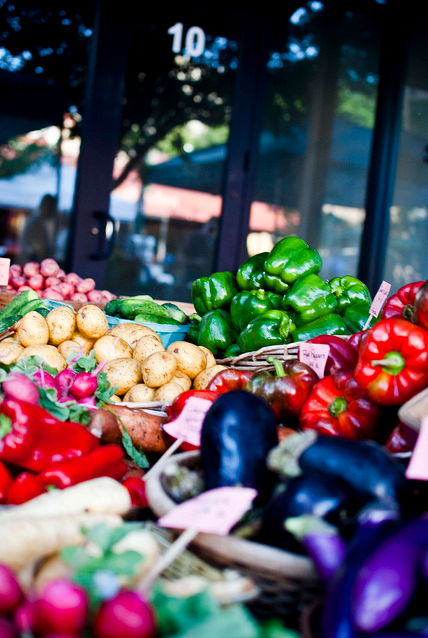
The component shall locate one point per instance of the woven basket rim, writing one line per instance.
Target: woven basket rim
(231, 550)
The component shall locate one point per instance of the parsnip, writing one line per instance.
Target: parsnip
(102, 495)
(26, 540)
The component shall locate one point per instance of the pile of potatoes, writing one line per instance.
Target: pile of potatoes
(135, 360)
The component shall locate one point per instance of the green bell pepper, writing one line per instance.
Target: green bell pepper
(275, 283)
(310, 297)
(331, 324)
(249, 275)
(274, 327)
(216, 331)
(213, 292)
(232, 351)
(356, 316)
(349, 290)
(248, 304)
(290, 258)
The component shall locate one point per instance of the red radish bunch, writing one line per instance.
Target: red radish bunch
(50, 281)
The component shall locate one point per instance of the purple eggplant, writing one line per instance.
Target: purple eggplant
(322, 542)
(375, 523)
(388, 578)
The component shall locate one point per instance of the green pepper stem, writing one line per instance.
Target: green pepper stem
(279, 368)
(393, 362)
(195, 317)
(337, 406)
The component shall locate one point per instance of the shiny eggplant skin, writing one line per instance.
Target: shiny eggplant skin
(237, 434)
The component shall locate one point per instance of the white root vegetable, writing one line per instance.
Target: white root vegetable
(102, 495)
(25, 540)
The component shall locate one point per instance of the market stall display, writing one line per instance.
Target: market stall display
(90, 392)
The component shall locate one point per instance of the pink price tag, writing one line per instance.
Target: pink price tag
(4, 271)
(188, 424)
(315, 355)
(212, 512)
(380, 298)
(418, 465)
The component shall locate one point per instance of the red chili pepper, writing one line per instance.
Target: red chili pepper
(177, 405)
(393, 361)
(338, 406)
(137, 490)
(342, 355)
(34, 438)
(230, 379)
(106, 460)
(401, 303)
(5, 481)
(288, 389)
(24, 487)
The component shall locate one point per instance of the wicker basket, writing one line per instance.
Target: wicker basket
(286, 582)
(257, 360)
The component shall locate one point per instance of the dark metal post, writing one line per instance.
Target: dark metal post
(380, 191)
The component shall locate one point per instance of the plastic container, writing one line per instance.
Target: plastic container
(167, 332)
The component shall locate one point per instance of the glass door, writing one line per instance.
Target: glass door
(167, 195)
(43, 60)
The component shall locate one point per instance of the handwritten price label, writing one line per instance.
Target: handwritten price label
(380, 298)
(188, 425)
(4, 271)
(315, 355)
(215, 511)
(417, 468)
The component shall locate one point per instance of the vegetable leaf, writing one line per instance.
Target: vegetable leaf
(135, 455)
(79, 413)
(105, 537)
(85, 363)
(48, 401)
(104, 390)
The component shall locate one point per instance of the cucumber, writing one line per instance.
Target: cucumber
(14, 306)
(111, 307)
(176, 312)
(8, 322)
(147, 317)
(34, 304)
(129, 308)
(42, 310)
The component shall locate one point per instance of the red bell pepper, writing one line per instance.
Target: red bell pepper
(33, 438)
(24, 487)
(5, 481)
(401, 440)
(177, 405)
(393, 361)
(288, 389)
(136, 487)
(230, 379)
(356, 339)
(338, 406)
(342, 355)
(401, 303)
(107, 460)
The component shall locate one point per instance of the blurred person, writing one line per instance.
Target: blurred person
(38, 237)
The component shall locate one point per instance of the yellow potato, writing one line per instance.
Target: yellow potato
(158, 369)
(202, 381)
(61, 323)
(91, 321)
(147, 346)
(84, 342)
(168, 392)
(190, 358)
(33, 330)
(48, 353)
(70, 347)
(10, 351)
(182, 379)
(211, 360)
(139, 393)
(132, 332)
(111, 347)
(123, 374)
(115, 399)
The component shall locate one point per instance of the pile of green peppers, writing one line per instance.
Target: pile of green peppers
(275, 297)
